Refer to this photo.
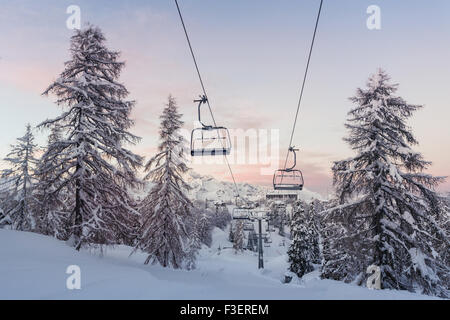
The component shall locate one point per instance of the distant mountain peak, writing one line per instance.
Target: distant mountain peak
(208, 187)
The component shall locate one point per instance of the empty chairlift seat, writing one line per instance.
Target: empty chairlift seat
(241, 213)
(209, 140)
(248, 226)
(289, 178)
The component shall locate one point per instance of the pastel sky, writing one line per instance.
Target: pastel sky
(252, 54)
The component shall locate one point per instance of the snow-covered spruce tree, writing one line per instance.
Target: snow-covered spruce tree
(282, 222)
(387, 208)
(238, 236)
(272, 215)
(337, 262)
(221, 217)
(281, 228)
(278, 216)
(231, 233)
(166, 208)
(92, 164)
(301, 250)
(444, 223)
(19, 184)
(313, 224)
(51, 208)
(204, 227)
(194, 244)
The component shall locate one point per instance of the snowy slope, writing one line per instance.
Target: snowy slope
(33, 267)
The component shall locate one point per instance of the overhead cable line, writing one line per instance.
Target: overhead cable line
(304, 82)
(203, 88)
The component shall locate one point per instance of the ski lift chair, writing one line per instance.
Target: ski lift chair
(267, 242)
(248, 226)
(241, 214)
(209, 140)
(289, 178)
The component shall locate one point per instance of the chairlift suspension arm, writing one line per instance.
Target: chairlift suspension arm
(293, 150)
(203, 99)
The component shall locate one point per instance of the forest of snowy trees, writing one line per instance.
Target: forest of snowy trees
(79, 187)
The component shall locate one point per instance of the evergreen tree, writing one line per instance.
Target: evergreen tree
(238, 236)
(337, 262)
(231, 233)
(166, 208)
(93, 167)
(221, 217)
(194, 244)
(204, 228)
(19, 185)
(387, 208)
(279, 216)
(313, 225)
(281, 223)
(444, 224)
(52, 208)
(300, 253)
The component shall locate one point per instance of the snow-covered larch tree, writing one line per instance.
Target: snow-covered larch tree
(19, 184)
(387, 208)
(301, 250)
(164, 211)
(91, 162)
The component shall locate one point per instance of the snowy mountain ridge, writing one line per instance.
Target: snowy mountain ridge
(205, 187)
(208, 187)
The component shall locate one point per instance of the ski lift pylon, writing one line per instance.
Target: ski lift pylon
(209, 140)
(289, 178)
